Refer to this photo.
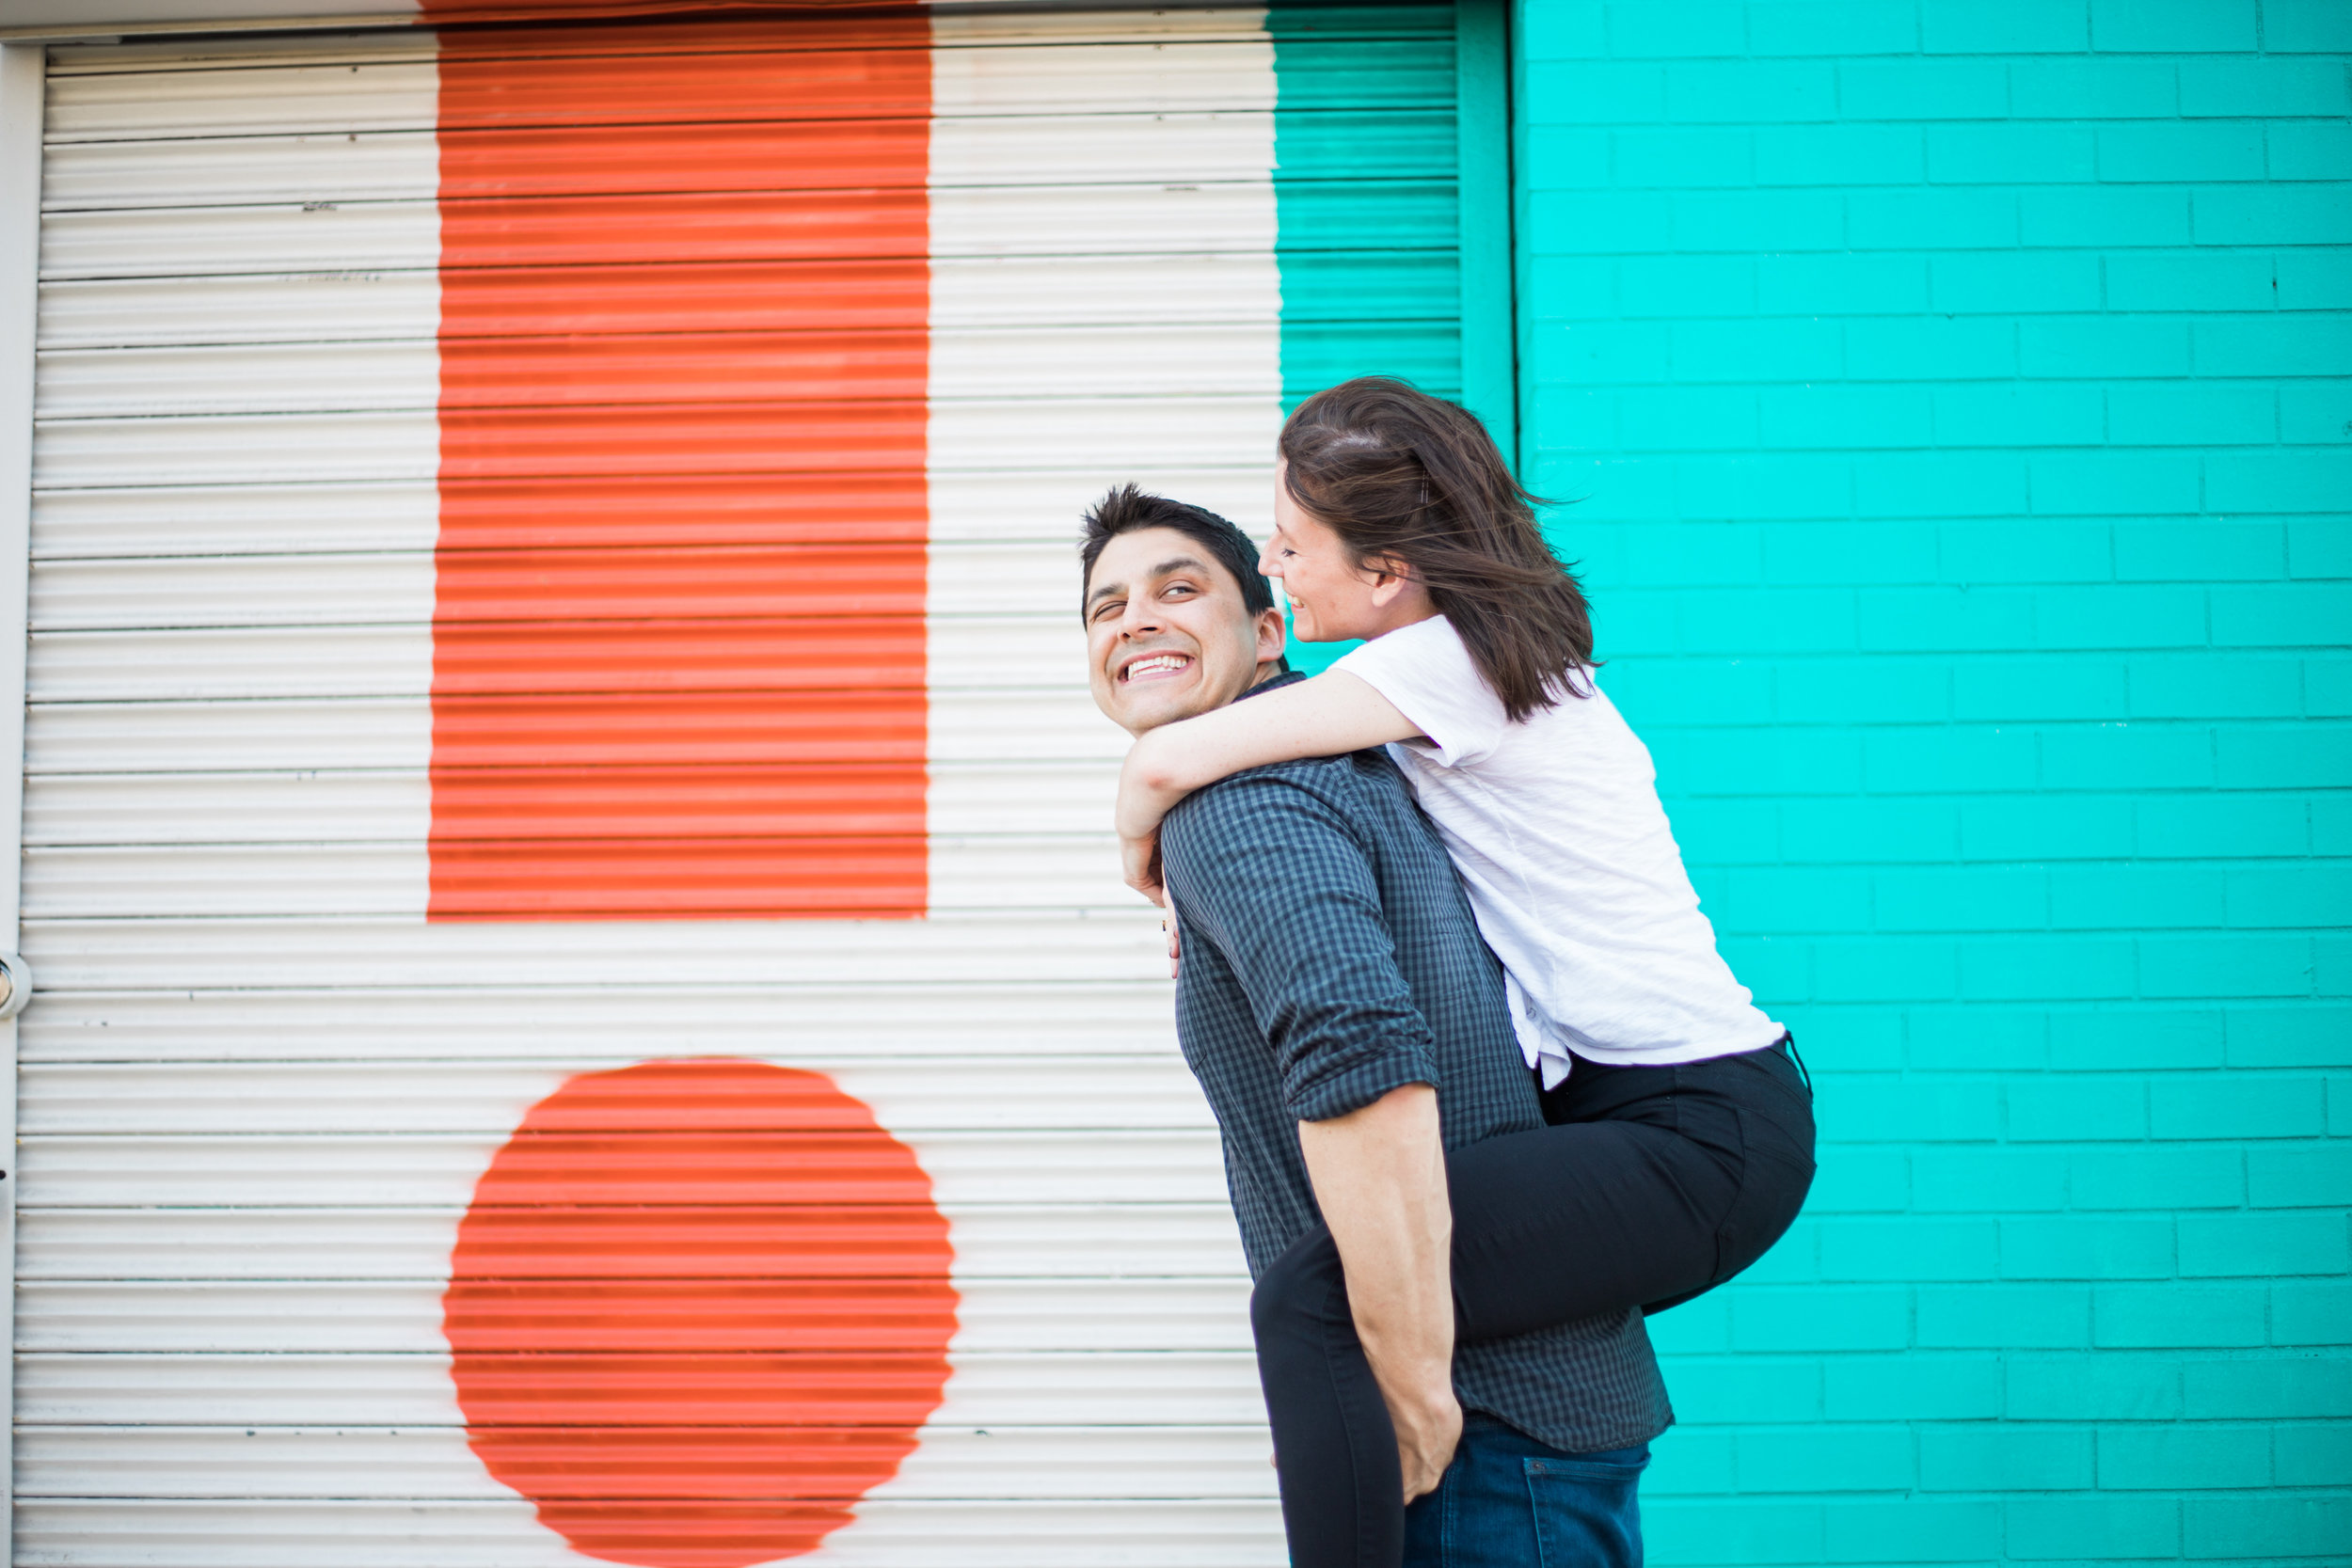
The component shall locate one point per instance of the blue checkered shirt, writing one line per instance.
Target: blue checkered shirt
(1329, 956)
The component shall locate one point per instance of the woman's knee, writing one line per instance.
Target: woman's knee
(1303, 1291)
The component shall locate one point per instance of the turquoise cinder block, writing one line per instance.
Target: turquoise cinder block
(2085, 1247)
(1922, 89)
(1728, 1532)
(2105, 217)
(2310, 1312)
(2135, 1039)
(1751, 92)
(1911, 1387)
(2283, 615)
(2239, 1106)
(2116, 484)
(2021, 690)
(2095, 88)
(2278, 482)
(2255, 1246)
(2175, 280)
(2203, 1457)
(1704, 27)
(2225, 966)
(2002, 1180)
(2013, 282)
(2181, 152)
(1818, 1459)
(2143, 1180)
(2306, 24)
(2210, 685)
(1682, 156)
(2291, 1036)
(2271, 345)
(2274, 1526)
(2004, 1317)
(2177, 1316)
(1839, 155)
(2286, 897)
(2003, 1459)
(2041, 551)
(2019, 416)
(2299, 1177)
(1932, 349)
(2094, 1528)
(1832, 27)
(2177, 27)
(2300, 1385)
(2127, 756)
(1710, 1390)
(2114, 1387)
(1807, 285)
(1877, 1531)
(1866, 829)
(2272, 215)
(2129, 898)
(1820, 1318)
(2003, 26)
(2075, 1110)
(2250, 549)
(1884, 1251)
(2264, 88)
(2010, 154)
(2071, 347)
(2250, 757)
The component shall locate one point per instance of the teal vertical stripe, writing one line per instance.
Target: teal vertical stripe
(1366, 181)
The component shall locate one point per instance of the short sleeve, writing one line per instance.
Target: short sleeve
(1425, 672)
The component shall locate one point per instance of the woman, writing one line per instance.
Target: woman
(1679, 1136)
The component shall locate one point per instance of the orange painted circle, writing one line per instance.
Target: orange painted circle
(698, 1308)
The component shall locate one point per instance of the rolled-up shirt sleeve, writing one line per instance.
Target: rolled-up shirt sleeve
(1275, 877)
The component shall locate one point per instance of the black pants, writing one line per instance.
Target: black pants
(1649, 1185)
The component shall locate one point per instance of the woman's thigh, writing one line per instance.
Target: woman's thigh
(1656, 1185)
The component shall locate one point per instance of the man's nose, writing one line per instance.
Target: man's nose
(1139, 620)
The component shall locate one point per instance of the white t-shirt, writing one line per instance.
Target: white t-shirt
(1578, 887)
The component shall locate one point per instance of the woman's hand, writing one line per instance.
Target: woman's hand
(1139, 863)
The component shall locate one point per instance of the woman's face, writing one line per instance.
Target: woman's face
(1330, 596)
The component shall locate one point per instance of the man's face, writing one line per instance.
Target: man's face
(1168, 635)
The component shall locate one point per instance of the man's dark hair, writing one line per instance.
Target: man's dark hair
(1126, 508)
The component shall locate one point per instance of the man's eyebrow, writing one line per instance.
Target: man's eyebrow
(1174, 563)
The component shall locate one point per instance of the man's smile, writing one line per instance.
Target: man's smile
(1156, 665)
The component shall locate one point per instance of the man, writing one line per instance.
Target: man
(1349, 1027)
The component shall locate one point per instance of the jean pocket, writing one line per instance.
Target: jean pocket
(1587, 1512)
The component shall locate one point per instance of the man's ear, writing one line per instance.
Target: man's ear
(1270, 635)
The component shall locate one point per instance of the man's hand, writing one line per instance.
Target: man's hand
(1379, 1178)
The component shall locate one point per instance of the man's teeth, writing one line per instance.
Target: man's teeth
(1163, 661)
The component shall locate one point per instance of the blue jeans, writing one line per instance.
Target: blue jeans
(1507, 1502)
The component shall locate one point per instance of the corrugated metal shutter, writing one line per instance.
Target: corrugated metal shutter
(299, 674)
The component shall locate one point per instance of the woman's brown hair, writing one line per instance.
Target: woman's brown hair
(1405, 478)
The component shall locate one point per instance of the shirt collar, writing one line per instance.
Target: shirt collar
(1287, 678)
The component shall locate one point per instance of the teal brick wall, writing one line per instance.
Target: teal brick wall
(1953, 396)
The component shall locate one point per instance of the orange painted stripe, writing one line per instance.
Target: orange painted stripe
(679, 664)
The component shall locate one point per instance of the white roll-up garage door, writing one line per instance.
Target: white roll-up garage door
(586, 1006)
